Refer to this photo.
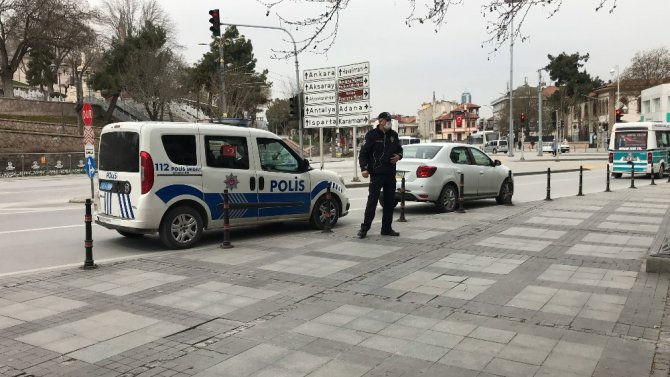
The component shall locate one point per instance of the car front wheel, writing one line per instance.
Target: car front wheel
(181, 228)
(506, 192)
(448, 199)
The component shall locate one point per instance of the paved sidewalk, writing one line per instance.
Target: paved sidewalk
(538, 289)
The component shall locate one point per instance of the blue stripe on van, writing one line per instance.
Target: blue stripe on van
(167, 193)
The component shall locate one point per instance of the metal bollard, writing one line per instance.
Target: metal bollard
(581, 180)
(461, 195)
(88, 242)
(607, 187)
(548, 184)
(652, 175)
(226, 221)
(402, 218)
(327, 227)
(632, 175)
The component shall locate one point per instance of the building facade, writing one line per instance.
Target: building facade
(457, 124)
(427, 114)
(656, 104)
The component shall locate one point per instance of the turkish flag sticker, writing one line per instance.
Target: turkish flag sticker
(229, 150)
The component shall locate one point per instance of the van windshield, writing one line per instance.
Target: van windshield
(630, 140)
(120, 151)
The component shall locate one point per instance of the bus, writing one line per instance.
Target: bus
(640, 145)
(481, 138)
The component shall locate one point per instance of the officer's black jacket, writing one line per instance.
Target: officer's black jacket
(376, 152)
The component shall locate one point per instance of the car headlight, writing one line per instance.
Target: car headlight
(341, 179)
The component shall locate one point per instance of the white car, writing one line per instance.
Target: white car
(546, 147)
(432, 174)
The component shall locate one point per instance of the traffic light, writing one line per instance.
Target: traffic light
(618, 113)
(293, 107)
(553, 119)
(216, 23)
(523, 119)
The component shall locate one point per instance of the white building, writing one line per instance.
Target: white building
(656, 104)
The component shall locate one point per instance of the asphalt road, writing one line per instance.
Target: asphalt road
(40, 229)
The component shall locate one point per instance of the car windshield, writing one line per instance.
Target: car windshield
(423, 152)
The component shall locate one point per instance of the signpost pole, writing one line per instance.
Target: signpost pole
(321, 145)
(355, 136)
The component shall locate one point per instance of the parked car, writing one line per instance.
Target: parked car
(546, 147)
(495, 146)
(565, 147)
(432, 174)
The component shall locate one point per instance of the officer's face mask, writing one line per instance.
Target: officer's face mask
(387, 125)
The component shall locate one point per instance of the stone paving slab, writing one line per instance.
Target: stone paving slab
(537, 289)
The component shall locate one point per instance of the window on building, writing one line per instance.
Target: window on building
(646, 105)
(657, 105)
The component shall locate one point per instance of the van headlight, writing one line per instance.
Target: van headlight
(341, 179)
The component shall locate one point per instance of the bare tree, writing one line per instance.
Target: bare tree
(25, 24)
(120, 19)
(320, 27)
(651, 66)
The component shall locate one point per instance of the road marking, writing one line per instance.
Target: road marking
(10, 211)
(40, 229)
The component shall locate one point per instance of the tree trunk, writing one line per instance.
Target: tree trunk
(8, 83)
(112, 106)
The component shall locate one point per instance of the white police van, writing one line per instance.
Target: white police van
(170, 177)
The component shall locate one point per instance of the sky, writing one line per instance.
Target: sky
(408, 64)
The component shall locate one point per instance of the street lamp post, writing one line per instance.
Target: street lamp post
(539, 112)
(618, 93)
(510, 134)
(297, 73)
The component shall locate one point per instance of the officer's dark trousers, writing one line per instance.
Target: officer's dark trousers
(377, 183)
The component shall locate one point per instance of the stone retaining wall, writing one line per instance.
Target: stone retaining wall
(18, 136)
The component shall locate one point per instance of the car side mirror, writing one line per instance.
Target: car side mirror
(497, 163)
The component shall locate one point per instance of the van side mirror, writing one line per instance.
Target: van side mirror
(305, 165)
(497, 163)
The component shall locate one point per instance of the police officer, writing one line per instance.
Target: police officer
(378, 157)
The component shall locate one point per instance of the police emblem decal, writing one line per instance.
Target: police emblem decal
(231, 181)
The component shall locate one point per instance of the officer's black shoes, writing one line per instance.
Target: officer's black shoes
(390, 232)
(362, 233)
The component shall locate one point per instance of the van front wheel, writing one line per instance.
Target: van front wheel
(324, 210)
(181, 228)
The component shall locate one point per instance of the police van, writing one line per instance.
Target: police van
(170, 178)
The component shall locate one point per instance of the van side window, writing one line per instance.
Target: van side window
(227, 152)
(180, 149)
(275, 156)
(662, 140)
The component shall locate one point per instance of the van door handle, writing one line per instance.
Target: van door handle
(261, 183)
(252, 183)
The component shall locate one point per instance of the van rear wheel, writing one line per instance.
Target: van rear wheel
(661, 171)
(181, 228)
